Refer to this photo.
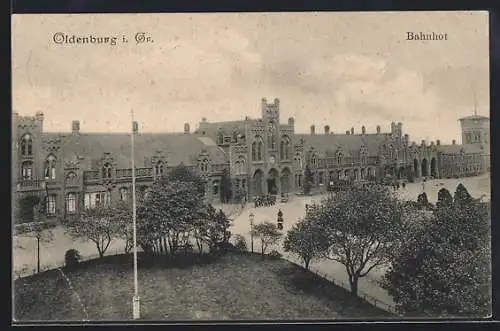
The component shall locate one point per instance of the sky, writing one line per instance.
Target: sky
(338, 69)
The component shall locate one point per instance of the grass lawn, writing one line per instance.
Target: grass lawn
(233, 287)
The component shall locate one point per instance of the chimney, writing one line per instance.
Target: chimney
(407, 137)
(348, 132)
(432, 143)
(313, 129)
(277, 102)
(135, 127)
(291, 122)
(438, 142)
(75, 127)
(378, 129)
(203, 120)
(186, 128)
(39, 116)
(263, 102)
(327, 129)
(423, 142)
(453, 141)
(352, 131)
(363, 130)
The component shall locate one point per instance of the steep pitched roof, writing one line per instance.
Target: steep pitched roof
(457, 149)
(176, 147)
(330, 143)
(474, 117)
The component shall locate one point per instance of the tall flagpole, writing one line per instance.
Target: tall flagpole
(136, 311)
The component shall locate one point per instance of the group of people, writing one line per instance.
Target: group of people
(396, 186)
(265, 200)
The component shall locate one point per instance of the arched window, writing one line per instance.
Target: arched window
(282, 150)
(159, 168)
(285, 148)
(123, 194)
(107, 170)
(71, 203)
(257, 147)
(240, 166)
(50, 167)
(26, 145)
(27, 170)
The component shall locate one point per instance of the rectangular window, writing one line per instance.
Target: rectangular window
(71, 203)
(87, 200)
(96, 199)
(51, 204)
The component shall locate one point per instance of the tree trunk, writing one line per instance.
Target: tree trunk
(306, 263)
(38, 255)
(353, 280)
(160, 244)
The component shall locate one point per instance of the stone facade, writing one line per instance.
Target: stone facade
(74, 169)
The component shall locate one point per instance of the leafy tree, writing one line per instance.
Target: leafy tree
(445, 200)
(443, 268)
(268, 234)
(240, 243)
(423, 201)
(123, 219)
(212, 229)
(362, 227)
(462, 196)
(168, 214)
(181, 173)
(96, 224)
(306, 240)
(308, 180)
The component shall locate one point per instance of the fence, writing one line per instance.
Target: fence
(377, 302)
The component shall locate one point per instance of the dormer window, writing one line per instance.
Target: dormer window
(159, 168)
(107, 171)
(204, 165)
(50, 167)
(26, 145)
(339, 158)
(314, 160)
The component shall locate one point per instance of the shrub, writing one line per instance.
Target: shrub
(72, 257)
(240, 244)
(274, 254)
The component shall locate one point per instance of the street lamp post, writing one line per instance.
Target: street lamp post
(136, 310)
(251, 230)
